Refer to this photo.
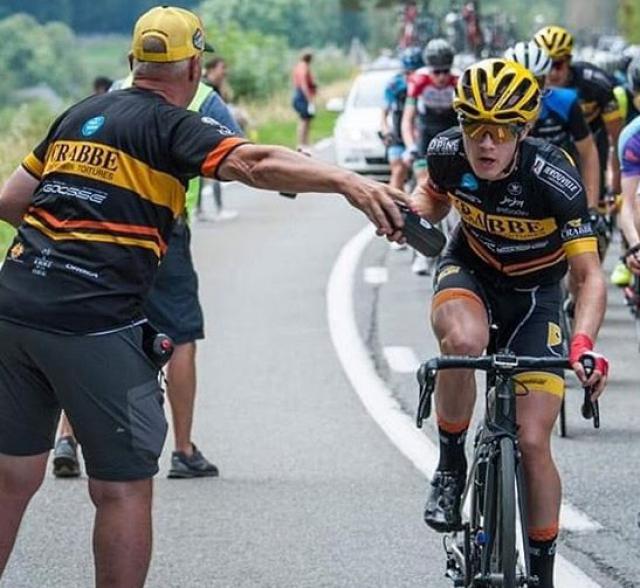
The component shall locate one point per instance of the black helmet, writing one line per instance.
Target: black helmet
(633, 74)
(438, 53)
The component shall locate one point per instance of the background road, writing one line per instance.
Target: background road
(312, 493)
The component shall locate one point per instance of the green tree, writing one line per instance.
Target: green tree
(31, 54)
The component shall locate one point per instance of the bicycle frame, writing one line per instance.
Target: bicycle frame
(470, 558)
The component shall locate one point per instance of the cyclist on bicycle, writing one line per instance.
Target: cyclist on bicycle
(629, 154)
(628, 97)
(560, 121)
(430, 100)
(524, 220)
(595, 90)
(395, 96)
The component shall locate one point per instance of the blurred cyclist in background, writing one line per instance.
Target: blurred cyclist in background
(395, 96)
(561, 121)
(430, 101)
(595, 91)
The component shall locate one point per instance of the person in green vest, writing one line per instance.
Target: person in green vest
(173, 307)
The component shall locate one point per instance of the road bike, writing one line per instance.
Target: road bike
(484, 552)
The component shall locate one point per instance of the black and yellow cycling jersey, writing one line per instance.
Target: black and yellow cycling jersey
(595, 92)
(519, 230)
(112, 174)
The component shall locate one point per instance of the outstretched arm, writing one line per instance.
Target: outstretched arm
(276, 168)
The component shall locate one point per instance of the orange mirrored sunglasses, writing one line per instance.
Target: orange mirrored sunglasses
(500, 133)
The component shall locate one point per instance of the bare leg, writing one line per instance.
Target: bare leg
(181, 391)
(537, 413)
(398, 174)
(122, 532)
(462, 328)
(20, 478)
(303, 132)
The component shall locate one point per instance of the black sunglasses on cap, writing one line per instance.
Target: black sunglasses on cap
(441, 72)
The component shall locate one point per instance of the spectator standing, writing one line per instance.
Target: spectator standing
(304, 92)
(101, 85)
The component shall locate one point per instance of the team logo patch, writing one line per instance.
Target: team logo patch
(198, 40)
(556, 178)
(207, 120)
(554, 335)
(469, 182)
(92, 126)
(576, 229)
(448, 271)
(514, 188)
(443, 146)
(16, 251)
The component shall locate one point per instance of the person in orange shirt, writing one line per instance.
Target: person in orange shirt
(304, 92)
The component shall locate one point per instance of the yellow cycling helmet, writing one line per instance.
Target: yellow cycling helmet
(497, 91)
(556, 40)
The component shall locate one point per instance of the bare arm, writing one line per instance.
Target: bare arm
(407, 127)
(384, 125)
(276, 168)
(591, 302)
(589, 166)
(429, 204)
(16, 195)
(628, 217)
(614, 127)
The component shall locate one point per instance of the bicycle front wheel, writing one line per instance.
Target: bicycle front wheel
(505, 543)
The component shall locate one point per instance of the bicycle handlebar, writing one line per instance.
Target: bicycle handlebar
(504, 362)
(500, 362)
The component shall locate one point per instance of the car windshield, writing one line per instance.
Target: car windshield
(368, 91)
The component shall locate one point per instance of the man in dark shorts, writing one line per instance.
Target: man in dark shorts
(94, 204)
(523, 222)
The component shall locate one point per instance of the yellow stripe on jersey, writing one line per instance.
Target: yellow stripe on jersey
(613, 115)
(98, 237)
(578, 246)
(33, 165)
(113, 166)
(540, 382)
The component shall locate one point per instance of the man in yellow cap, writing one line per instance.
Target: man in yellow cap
(94, 204)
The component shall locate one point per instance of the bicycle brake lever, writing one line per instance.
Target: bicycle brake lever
(590, 408)
(426, 381)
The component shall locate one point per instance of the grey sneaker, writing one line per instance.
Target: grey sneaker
(65, 458)
(194, 466)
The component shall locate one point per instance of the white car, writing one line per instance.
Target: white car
(358, 146)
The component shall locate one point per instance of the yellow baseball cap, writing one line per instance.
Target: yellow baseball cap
(180, 31)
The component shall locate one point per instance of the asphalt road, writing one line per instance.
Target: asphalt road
(312, 492)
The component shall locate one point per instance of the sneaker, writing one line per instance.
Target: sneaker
(398, 246)
(65, 458)
(420, 265)
(194, 466)
(226, 215)
(442, 511)
(621, 275)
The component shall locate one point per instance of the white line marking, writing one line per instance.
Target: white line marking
(375, 396)
(376, 275)
(401, 359)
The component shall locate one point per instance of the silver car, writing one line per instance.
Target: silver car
(358, 146)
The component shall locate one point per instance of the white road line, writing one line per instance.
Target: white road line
(401, 359)
(376, 397)
(376, 275)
